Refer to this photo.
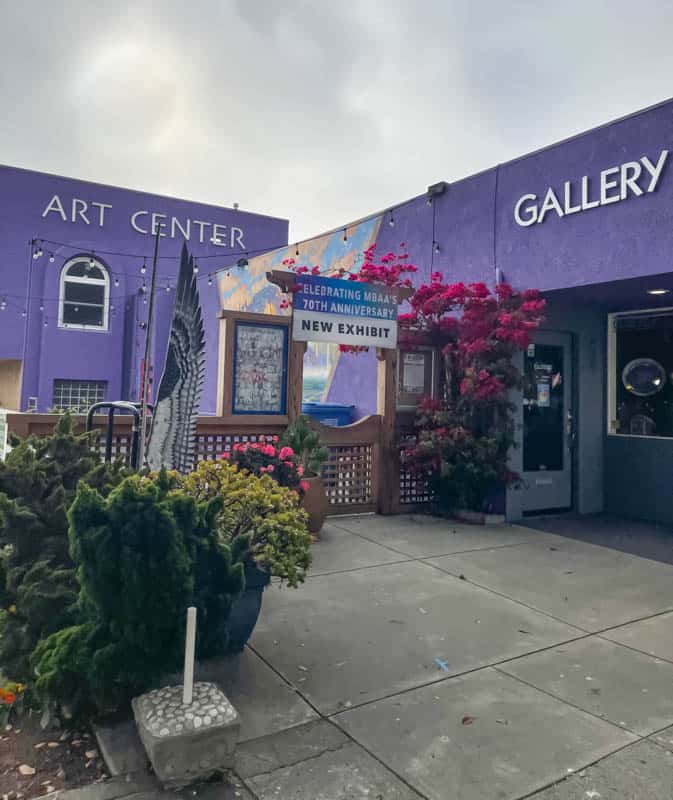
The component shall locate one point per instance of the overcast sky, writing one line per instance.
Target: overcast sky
(313, 110)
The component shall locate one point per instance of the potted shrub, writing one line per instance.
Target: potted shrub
(305, 443)
(268, 518)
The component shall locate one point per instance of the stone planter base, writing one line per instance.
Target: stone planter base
(478, 517)
(190, 743)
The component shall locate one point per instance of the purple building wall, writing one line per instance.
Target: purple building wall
(476, 230)
(100, 222)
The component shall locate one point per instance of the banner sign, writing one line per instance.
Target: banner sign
(345, 312)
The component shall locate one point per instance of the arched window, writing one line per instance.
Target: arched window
(85, 295)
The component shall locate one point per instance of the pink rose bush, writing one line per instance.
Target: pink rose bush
(265, 457)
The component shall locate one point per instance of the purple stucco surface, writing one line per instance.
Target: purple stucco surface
(475, 228)
(49, 352)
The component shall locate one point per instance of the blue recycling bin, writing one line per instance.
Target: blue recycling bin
(329, 413)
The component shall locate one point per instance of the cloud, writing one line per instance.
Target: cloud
(321, 112)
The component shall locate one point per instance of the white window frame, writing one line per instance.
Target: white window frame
(611, 394)
(88, 281)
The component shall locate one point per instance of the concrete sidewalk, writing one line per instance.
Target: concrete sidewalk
(426, 659)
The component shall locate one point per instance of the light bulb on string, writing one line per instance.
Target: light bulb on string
(24, 312)
(429, 200)
(296, 252)
(91, 261)
(40, 251)
(143, 269)
(41, 307)
(436, 247)
(196, 268)
(345, 236)
(3, 304)
(144, 300)
(168, 287)
(51, 258)
(116, 281)
(45, 323)
(210, 281)
(391, 221)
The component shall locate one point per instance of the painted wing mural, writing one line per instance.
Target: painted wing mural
(171, 443)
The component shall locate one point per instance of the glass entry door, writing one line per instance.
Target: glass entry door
(547, 423)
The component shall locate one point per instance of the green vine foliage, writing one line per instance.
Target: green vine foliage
(307, 446)
(144, 554)
(38, 588)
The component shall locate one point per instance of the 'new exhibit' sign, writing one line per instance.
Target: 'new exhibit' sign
(345, 312)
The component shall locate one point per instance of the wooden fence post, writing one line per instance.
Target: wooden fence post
(386, 406)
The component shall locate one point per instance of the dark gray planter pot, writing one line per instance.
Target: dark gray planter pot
(245, 612)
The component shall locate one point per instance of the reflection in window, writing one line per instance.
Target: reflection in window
(85, 294)
(641, 375)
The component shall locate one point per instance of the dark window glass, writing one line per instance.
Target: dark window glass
(92, 293)
(83, 269)
(643, 369)
(76, 314)
(543, 409)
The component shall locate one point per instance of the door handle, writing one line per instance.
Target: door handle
(570, 428)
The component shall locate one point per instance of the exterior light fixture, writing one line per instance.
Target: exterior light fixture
(658, 291)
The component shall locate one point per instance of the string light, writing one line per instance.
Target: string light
(391, 221)
(168, 287)
(296, 252)
(143, 269)
(116, 281)
(429, 200)
(51, 258)
(23, 313)
(436, 247)
(196, 268)
(41, 307)
(345, 236)
(3, 304)
(210, 281)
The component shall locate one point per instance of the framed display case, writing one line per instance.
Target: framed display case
(260, 368)
(416, 376)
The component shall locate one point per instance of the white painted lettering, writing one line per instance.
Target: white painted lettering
(219, 238)
(550, 202)
(201, 225)
(175, 223)
(55, 205)
(237, 237)
(134, 221)
(79, 209)
(101, 212)
(157, 225)
(606, 185)
(530, 211)
(586, 203)
(655, 171)
(630, 172)
(568, 207)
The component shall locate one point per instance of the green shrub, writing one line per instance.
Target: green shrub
(306, 445)
(257, 514)
(143, 554)
(38, 480)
